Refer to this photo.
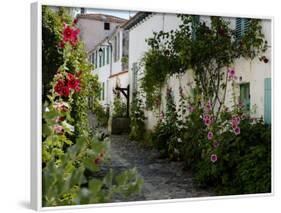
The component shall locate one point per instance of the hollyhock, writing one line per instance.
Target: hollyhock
(74, 37)
(59, 119)
(74, 21)
(231, 73)
(58, 129)
(59, 86)
(67, 32)
(97, 160)
(214, 158)
(207, 120)
(61, 106)
(65, 91)
(70, 34)
(237, 131)
(235, 120)
(72, 82)
(210, 135)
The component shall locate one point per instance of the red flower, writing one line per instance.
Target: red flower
(65, 91)
(70, 35)
(61, 44)
(97, 160)
(74, 21)
(67, 32)
(72, 82)
(59, 86)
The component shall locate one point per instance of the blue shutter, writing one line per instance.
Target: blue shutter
(267, 100)
(241, 26)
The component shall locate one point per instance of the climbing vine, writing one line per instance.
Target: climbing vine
(209, 50)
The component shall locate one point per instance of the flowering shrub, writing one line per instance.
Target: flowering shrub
(69, 149)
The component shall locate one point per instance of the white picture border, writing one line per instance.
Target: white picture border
(36, 102)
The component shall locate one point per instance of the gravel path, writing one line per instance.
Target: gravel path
(163, 179)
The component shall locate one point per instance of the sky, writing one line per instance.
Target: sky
(119, 13)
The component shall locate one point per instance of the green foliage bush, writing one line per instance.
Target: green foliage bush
(137, 118)
(119, 108)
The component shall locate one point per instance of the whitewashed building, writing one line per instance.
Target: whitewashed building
(254, 77)
(110, 60)
(95, 27)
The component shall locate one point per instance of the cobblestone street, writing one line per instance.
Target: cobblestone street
(163, 179)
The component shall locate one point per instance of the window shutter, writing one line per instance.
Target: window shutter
(195, 22)
(107, 55)
(238, 27)
(242, 25)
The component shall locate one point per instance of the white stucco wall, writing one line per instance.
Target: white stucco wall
(138, 46)
(250, 71)
(109, 75)
(92, 31)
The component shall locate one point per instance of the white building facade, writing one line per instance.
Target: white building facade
(110, 60)
(254, 77)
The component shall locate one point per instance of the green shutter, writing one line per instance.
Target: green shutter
(267, 100)
(195, 22)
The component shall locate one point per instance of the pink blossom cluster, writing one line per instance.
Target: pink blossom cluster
(234, 124)
(231, 74)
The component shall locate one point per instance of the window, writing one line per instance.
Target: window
(107, 55)
(117, 47)
(100, 60)
(241, 26)
(245, 96)
(103, 56)
(195, 22)
(93, 59)
(106, 26)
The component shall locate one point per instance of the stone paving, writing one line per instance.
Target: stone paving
(163, 179)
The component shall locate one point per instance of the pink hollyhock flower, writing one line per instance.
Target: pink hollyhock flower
(58, 129)
(210, 135)
(208, 120)
(216, 144)
(214, 158)
(237, 131)
(61, 106)
(231, 73)
(235, 120)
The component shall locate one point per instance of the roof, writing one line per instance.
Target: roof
(138, 17)
(102, 17)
